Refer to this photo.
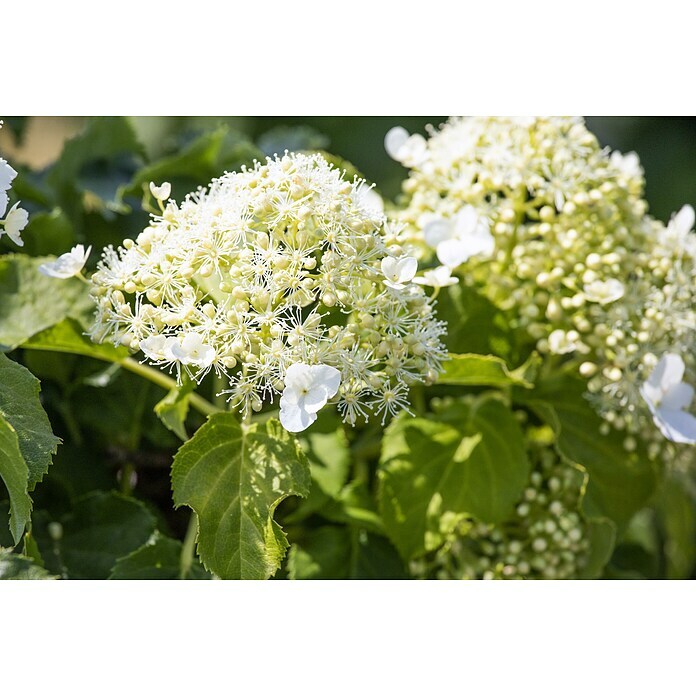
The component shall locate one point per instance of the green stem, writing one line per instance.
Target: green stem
(188, 549)
(196, 400)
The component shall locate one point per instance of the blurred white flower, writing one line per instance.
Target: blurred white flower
(458, 239)
(307, 389)
(410, 150)
(67, 265)
(161, 192)
(628, 164)
(562, 342)
(667, 397)
(15, 222)
(604, 291)
(439, 277)
(398, 272)
(7, 175)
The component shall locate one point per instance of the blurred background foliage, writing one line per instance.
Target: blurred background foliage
(666, 146)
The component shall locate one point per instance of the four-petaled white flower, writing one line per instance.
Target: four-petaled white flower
(158, 348)
(67, 265)
(307, 389)
(191, 349)
(439, 277)
(604, 291)
(162, 192)
(15, 222)
(410, 150)
(457, 240)
(667, 397)
(398, 272)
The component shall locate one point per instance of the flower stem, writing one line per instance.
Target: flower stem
(188, 549)
(198, 402)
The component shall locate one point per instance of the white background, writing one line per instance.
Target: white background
(348, 57)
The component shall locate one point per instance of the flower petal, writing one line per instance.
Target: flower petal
(329, 377)
(668, 372)
(407, 268)
(394, 140)
(315, 399)
(677, 397)
(295, 419)
(677, 426)
(437, 231)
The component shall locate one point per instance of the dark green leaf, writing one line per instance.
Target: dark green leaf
(20, 405)
(158, 559)
(15, 474)
(323, 554)
(472, 461)
(101, 529)
(48, 233)
(234, 477)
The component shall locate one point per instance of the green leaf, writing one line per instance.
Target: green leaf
(16, 567)
(20, 405)
(173, 408)
(476, 325)
(471, 461)
(621, 482)
(677, 513)
(323, 554)
(234, 477)
(101, 529)
(68, 336)
(601, 534)
(471, 369)
(31, 302)
(15, 473)
(94, 164)
(158, 559)
(206, 157)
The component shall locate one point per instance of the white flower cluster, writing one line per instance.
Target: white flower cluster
(546, 538)
(285, 278)
(12, 222)
(553, 229)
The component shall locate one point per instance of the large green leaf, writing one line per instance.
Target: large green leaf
(48, 233)
(677, 514)
(158, 559)
(31, 302)
(234, 477)
(621, 482)
(15, 474)
(16, 567)
(471, 369)
(101, 529)
(195, 164)
(472, 461)
(20, 406)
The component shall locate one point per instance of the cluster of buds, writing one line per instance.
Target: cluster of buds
(554, 230)
(546, 537)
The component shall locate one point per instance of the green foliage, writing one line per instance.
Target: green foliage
(234, 476)
(173, 408)
(20, 406)
(159, 558)
(13, 566)
(102, 528)
(471, 461)
(485, 370)
(621, 482)
(31, 302)
(15, 474)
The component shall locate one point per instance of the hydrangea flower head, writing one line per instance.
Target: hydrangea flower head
(571, 256)
(279, 265)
